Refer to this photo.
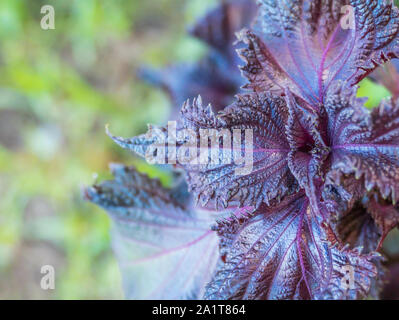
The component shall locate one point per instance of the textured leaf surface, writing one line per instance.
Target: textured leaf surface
(166, 250)
(347, 201)
(263, 178)
(385, 215)
(322, 179)
(305, 44)
(353, 222)
(283, 253)
(342, 192)
(308, 148)
(263, 115)
(363, 143)
(356, 227)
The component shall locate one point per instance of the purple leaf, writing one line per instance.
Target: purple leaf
(165, 248)
(269, 178)
(391, 290)
(357, 227)
(219, 26)
(224, 174)
(305, 44)
(345, 197)
(341, 193)
(385, 215)
(348, 203)
(353, 222)
(362, 143)
(207, 78)
(284, 252)
(311, 174)
(216, 77)
(308, 148)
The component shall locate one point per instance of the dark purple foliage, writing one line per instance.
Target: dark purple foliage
(216, 77)
(158, 233)
(391, 290)
(308, 220)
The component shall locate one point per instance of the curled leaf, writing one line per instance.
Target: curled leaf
(165, 249)
(305, 135)
(385, 215)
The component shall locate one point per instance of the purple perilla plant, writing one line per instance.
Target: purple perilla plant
(308, 220)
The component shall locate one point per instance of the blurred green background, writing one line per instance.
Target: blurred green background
(58, 89)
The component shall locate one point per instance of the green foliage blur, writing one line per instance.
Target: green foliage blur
(58, 89)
